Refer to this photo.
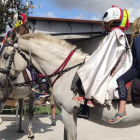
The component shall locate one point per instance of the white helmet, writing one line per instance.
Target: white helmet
(117, 14)
(113, 13)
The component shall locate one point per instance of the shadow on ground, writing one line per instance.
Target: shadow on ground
(9, 130)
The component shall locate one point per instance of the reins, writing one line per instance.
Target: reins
(62, 66)
(58, 72)
(46, 77)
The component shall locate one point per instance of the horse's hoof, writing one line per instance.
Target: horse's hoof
(20, 131)
(31, 137)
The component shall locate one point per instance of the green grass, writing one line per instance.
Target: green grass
(43, 110)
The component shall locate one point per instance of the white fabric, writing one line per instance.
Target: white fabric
(95, 73)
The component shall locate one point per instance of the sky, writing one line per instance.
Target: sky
(82, 9)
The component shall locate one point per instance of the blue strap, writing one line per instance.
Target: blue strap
(8, 34)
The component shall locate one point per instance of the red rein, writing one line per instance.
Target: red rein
(61, 67)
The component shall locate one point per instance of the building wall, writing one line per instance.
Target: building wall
(65, 27)
(51, 27)
(48, 26)
(89, 46)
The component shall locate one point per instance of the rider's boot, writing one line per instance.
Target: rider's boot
(83, 111)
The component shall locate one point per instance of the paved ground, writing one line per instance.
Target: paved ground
(44, 131)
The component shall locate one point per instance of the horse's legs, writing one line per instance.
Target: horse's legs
(20, 129)
(70, 125)
(31, 104)
(65, 133)
(4, 93)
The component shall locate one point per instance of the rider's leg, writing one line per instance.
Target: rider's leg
(122, 81)
(53, 110)
(84, 101)
(77, 88)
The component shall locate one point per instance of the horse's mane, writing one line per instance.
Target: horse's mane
(41, 36)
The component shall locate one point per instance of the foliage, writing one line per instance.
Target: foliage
(4, 10)
(7, 9)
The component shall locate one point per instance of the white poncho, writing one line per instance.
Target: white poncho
(95, 73)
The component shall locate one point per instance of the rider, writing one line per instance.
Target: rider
(114, 18)
(20, 27)
(18, 20)
(132, 73)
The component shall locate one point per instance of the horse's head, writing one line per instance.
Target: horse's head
(11, 64)
(6, 59)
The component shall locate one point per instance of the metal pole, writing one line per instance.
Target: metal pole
(27, 7)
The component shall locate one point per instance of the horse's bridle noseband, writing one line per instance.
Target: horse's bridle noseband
(11, 77)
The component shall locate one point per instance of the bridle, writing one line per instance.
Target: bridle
(10, 77)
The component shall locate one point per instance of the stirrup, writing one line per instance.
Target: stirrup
(83, 112)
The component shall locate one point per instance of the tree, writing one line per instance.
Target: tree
(7, 10)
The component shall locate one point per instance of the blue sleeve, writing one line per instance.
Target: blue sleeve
(8, 33)
(137, 49)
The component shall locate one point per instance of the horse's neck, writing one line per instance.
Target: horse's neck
(50, 58)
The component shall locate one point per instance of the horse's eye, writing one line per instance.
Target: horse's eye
(5, 56)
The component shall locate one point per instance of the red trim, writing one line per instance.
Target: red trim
(127, 22)
(121, 28)
(65, 61)
(40, 75)
(114, 6)
(61, 67)
(121, 14)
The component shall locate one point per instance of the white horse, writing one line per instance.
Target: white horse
(20, 93)
(47, 54)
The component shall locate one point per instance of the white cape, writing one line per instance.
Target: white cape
(95, 73)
